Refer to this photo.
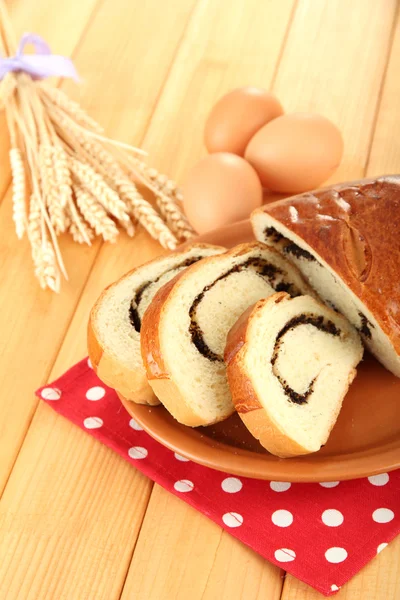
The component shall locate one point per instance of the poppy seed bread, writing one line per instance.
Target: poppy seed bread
(289, 363)
(346, 241)
(185, 327)
(116, 318)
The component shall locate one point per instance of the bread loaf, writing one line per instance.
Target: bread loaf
(346, 241)
(289, 363)
(115, 321)
(185, 327)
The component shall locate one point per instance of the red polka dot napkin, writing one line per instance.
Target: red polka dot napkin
(321, 533)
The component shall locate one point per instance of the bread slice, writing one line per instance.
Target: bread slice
(185, 327)
(289, 363)
(115, 321)
(346, 241)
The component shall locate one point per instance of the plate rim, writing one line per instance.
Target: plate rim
(277, 469)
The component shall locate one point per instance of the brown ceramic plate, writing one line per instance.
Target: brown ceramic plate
(365, 440)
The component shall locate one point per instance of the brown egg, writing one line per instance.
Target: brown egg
(221, 189)
(295, 153)
(237, 116)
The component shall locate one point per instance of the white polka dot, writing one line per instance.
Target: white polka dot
(282, 518)
(383, 515)
(231, 485)
(381, 547)
(232, 519)
(180, 457)
(329, 484)
(137, 452)
(135, 425)
(285, 555)
(332, 517)
(336, 555)
(50, 393)
(89, 363)
(93, 422)
(334, 588)
(95, 393)
(379, 480)
(184, 485)
(279, 486)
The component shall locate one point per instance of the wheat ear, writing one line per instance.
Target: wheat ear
(34, 226)
(95, 215)
(80, 231)
(43, 256)
(18, 194)
(50, 189)
(62, 175)
(96, 186)
(167, 205)
(150, 219)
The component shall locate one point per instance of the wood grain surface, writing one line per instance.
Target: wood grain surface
(76, 521)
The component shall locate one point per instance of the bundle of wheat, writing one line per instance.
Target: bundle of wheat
(69, 177)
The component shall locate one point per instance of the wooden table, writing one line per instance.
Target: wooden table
(77, 522)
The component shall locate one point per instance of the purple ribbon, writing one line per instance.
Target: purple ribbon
(39, 65)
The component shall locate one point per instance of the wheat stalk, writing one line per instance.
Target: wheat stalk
(95, 215)
(34, 225)
(8, 85)
(43, 255)
(127, 192)
(167, 205)
(7, 36)
(95, 185)
(148, 217)
(174, 218)
(49, 183)
(62, 175)
(77, 235)
(53, 96)
(158, 181)
(18, 193)
(46, 267)
(78, 228)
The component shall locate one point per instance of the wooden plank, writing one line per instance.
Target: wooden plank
(61, 24)
(228, 45)
(380, 580)
(303, 84)
(333, 64)
(155, 571)
(181, 554)
(239, 572)
(385, 149)
(34, 322)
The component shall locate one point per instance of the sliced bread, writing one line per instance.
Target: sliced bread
(115, 321)
(185, 327)
(289, 363)
(346, 241)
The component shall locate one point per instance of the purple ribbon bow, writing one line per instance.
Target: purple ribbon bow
(39, 65)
